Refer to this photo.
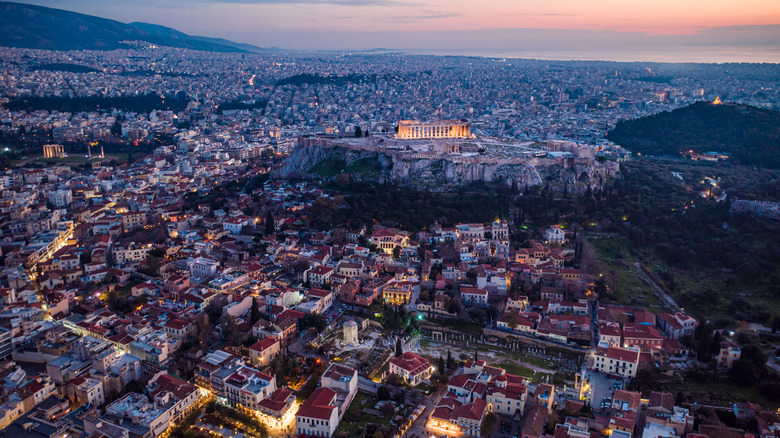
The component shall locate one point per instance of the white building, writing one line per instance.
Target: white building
(61, 198)
(203, 267)
(615, 360)
(234, 225)
(411, 367)
(130, 254)
(554, 234)
(473, 295)
(320, 414)
(262, 351)
(243, 386)
(91, 391)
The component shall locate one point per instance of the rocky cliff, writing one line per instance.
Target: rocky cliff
(326, 160)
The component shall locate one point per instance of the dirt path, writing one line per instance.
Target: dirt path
(658, 290)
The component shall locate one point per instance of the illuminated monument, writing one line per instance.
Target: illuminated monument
(53, 151)
(410, 129)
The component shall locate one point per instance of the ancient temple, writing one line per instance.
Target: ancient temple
(411, 129)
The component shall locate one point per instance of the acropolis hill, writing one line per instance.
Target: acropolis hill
(455, 160)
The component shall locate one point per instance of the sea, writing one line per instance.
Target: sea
(714, 55)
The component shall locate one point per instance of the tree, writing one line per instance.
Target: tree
(382, 393)
(152, 264)
(269, 224)
(600, 287)
(396, 252)
(715, 347)
(450, 361)
(703, 336)
(399, 349)
(476, 355)
(744, 372)
(342, 180)
(441, 364)
(313, 320)
(358, 132)
(230, 329)
(751, 367)
(254, 312)
(755, 355)
(489, 423)
(116, 128)
(205, 329)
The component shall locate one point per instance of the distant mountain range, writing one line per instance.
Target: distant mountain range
(38, 27)
(751, 135)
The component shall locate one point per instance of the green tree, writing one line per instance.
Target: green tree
(230, 331)
(254, 313)
(358, 132)
(397, 252)
(489, 423)
(342, 180)
(715, 346)
(269, 224)
(399, 349)
(152, 264)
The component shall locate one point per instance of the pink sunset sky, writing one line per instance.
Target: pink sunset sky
(470, 25)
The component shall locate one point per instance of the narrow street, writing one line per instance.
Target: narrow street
(418, 429)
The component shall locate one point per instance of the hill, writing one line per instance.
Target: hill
(167, 32)
(751, 135)
(38, 27)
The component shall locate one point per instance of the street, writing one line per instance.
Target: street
(418, 428)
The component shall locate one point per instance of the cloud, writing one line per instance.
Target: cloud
(423, 15)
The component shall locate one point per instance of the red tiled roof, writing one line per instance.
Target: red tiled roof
(263, 344)
(411, 362)
(622, 354)
(473, 411)
(277, 400)
(318, 404)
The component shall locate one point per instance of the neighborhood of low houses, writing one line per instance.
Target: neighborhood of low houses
(129, 311)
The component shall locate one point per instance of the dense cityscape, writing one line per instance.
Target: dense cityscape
(205, 244)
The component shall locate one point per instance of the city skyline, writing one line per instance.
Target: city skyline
(693, 32)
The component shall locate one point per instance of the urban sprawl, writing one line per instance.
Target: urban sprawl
(138, 300)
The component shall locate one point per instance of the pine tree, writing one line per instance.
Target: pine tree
(450, 362)
(476, 355)
(269, 224)
(441, 364)
(715, 347)
(254, 314)
(399, 350)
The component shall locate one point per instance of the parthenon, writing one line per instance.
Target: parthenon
(409, 129)
(53, 151)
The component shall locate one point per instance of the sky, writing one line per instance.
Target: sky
(657, 30)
